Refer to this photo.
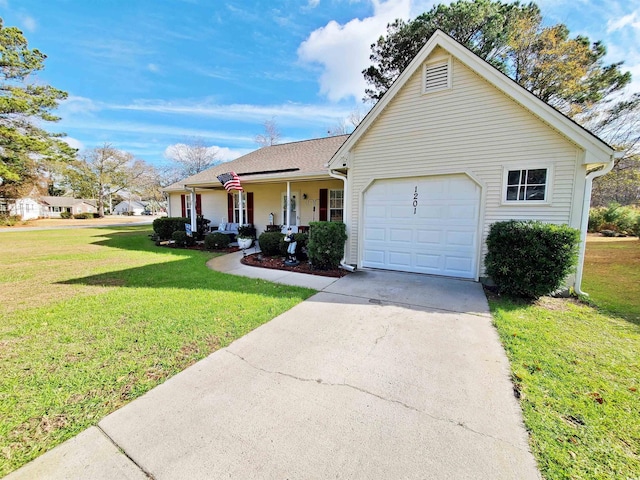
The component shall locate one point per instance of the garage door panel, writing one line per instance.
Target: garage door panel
(375, 257)
(399, 212)
(463, 212)
(399, 259)
(374, 234)
(424, 260)
(434, 233)
(429, 237)
(401, 235)
(464, 239)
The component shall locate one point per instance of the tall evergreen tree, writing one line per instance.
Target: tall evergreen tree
(24, 146)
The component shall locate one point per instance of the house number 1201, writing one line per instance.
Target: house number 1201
(415, 200)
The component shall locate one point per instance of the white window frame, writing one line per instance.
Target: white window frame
(236, 208)
(330, 208)
(434, 63)
(187, 206)
(548, 185)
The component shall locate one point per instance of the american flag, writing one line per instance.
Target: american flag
(230, 181)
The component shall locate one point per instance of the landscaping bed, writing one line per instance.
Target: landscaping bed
(277, 263)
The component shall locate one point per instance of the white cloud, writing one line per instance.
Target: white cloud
(73, 142)
(343, 50)
(28, 23)
(222, 154)
(74, 105)
(284, 113)
(152, 67)
(313, 3)
(632, 20)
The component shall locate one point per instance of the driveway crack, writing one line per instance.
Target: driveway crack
(380, 397)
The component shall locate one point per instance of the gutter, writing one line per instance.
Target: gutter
(586, 205)
(343, 177)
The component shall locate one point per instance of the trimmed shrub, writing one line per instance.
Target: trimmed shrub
(216, 241)
(182, 239)
(272, 244)
(596, 219)
(530, 259)
(9, 220)
(165, 226)
(326, 244)
(302, 252)
(66, 215)
(82, 216)
(636, 227)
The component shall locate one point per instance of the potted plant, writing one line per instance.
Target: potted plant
(246, 235)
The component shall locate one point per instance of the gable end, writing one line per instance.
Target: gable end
(436, 76)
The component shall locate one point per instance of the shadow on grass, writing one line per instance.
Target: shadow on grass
(187, 271)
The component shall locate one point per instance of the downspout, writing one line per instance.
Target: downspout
(586, 205)
(343, 177)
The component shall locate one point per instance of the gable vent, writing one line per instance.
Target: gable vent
(437, 77)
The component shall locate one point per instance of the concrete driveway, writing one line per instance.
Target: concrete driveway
(380, 376)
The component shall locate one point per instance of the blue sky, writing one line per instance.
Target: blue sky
(144, 75)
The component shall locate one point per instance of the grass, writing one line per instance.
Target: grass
(94, 318)
(612, 275)
(577, 368)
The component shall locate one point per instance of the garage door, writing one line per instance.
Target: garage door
(423, 225)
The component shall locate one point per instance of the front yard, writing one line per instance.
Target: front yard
(577, 368)
(94, 318)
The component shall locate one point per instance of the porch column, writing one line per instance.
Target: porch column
(194, 223)
(241, 213)
(288, 204)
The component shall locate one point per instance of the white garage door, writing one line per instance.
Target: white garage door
(423, 225)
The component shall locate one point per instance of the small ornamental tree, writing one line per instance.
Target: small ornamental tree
(530, 259)
(326, 244)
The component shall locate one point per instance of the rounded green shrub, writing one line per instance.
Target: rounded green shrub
(216, 241)
(65, 215)
(272, 244)
(326, 244)
(530, 259)
(165, 226)
(180, 237)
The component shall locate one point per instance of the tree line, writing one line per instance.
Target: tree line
(569, 73)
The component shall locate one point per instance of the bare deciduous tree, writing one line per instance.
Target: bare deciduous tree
(191, 157)
(271, 135)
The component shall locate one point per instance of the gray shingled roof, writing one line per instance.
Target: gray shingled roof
(287, 159)
(65, 201)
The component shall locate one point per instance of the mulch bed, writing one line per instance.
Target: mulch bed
(277, 263)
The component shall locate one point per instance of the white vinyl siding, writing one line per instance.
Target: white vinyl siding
(474, 129)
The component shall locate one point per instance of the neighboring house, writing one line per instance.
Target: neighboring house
(133, 207)
(52, 207)
(28, 208)
(453, 147)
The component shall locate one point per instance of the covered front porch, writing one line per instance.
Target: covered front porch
(268, 205)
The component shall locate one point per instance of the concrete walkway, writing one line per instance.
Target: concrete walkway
(381, 375)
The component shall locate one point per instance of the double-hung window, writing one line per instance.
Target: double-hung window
(336, 205)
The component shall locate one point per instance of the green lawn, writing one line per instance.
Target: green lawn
(94, 318)
(577, 369)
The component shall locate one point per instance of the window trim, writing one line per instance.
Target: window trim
(436, 62)
(548, 190)
(236, 208)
